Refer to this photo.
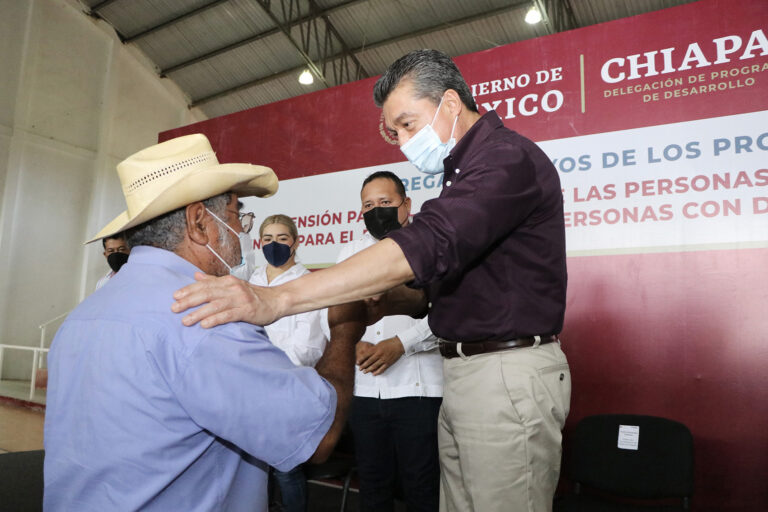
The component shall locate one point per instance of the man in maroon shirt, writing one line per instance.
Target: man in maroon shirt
(489, 255)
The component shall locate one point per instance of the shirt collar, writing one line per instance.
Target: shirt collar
(297, 268)
(260, 274)
(477, 133)
(146, 255)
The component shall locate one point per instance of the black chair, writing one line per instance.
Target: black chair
(21, 481)
(649, 467)
(340, 466)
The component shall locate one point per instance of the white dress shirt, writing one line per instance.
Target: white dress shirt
(300, 336)
(418, 372)
(101, 282)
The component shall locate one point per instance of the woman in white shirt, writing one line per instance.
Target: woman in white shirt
(299, 336)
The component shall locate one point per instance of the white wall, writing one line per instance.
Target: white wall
(74, 101)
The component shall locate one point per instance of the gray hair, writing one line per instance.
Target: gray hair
(167, 231)
(430, 71)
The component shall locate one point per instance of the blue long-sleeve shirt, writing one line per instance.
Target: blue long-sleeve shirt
(144, 413)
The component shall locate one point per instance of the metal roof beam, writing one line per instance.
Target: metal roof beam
(173, 21)
(557, 15)
(428, 30)
(256, 37)
(94, 13)
(345, 53)
(286, 30)
(102, 5)
(563, 16)
(443, 26)
(247, 85)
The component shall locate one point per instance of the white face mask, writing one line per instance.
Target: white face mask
(425, 150)
(245, 268)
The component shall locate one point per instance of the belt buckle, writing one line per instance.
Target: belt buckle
(447, 353)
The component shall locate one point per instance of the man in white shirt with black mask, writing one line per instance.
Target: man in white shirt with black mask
(116, 251)
(398, 381)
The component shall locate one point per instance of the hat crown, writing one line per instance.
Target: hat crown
(178, 172)
(160, 166)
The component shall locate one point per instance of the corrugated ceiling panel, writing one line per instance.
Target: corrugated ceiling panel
(379, 20)
(224, 106)
(590, 12)
(465, 38)
(262, 58)
(327, 4)
(213, 29)
(277, 90)
(131, 17)
(201, 80)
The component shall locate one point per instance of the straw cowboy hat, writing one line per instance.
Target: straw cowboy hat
(178, 172)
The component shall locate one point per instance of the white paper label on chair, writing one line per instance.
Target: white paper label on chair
(629, 437)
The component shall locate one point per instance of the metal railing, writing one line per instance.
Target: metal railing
(44, 326)
(36, 363)
(37, 353)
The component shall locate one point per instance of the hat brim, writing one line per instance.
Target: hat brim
(245, 180)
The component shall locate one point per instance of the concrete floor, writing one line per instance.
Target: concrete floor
(21, 428)
(19, 390)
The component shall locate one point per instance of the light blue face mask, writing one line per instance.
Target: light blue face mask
(425, 150)
(247, 263)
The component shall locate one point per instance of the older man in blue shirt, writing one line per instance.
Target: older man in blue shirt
(144, 413)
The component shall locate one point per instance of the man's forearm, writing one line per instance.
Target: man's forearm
(366, 274)
(402, 300)
(228, 299)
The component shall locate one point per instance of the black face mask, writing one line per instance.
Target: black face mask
(117, 260)
(381, 220)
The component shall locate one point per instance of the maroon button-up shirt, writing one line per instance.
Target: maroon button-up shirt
(490, 250)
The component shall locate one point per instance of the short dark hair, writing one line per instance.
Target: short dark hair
(386, 175)
(431, 72)
(116, 236)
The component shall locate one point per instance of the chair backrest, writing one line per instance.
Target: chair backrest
(633, 456)
(21, 480)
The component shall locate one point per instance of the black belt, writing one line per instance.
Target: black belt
(451, 349)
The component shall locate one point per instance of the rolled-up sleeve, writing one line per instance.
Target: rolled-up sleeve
(308, 338)
(418, 338)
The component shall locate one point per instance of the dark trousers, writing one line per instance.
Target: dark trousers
(293, 489)
(396, 447)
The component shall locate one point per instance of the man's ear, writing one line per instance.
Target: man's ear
(453, 102)
(196, 223)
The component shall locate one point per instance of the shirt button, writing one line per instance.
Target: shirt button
(429, 305)
(378, 332)
(447, 183)
(458, 171)
(417, 383)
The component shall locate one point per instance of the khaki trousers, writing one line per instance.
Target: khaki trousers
(499, 429)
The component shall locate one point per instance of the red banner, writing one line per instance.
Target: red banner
(695, 61)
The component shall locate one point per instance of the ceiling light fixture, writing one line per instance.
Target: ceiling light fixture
(306, 78)
(533, 16)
